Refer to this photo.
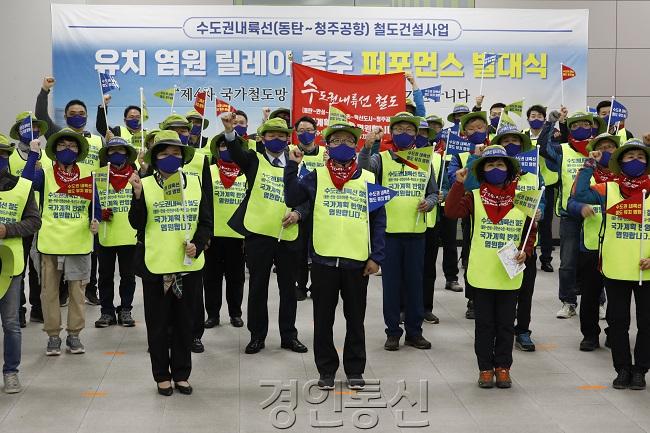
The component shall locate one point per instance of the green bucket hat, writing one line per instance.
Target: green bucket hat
(405, 116)
(495, 151)
(50, 146)
(458, 109)
(473, 115)
(602, 125)
(342, 126)
(131, 153)
(165, 137)
(175, 120)
(193, 114)
(6, 145)
(578, 116)
(435, 119)
(526, 144)
(274, 114)
(40, 124)
(274, 124)
(151, 134)
(423, 123)
(6, 268)
(601, 137)
(631, 144)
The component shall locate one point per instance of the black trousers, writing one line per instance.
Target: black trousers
(34, 284)
(466, 226)
(302, 270)
(619, 296)
(328, 282)
(261, 253)
(545, 226)
(198, 315)
(91, 287)
(494, 327)
(525, 296)
(443, 234)
(169, 328)
(106, 257)
(591, 284)
(224, 260)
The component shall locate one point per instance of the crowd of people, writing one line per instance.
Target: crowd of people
(274, 200)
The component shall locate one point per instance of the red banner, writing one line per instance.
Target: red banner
(222, 106)
(81, 188)
(199, 103)
(370, 100)
(631, 208)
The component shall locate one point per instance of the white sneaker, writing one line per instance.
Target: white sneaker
(602, 312)
(12, 384)
(566, 311)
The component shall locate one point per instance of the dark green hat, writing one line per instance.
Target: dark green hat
(495, 151)
(193, 114)
(436, 119)
(405, 116)
(40, 124)
(458, 109)
(631, 144)
(276, 124)
(131, 153)
(578, 116)
(169, 138)
(347, 127)
(601, 137)
(473, 115)
(277, 111)
(6, 145)
(526, 144)
(602, 125)
(50, 146)
(175, 120)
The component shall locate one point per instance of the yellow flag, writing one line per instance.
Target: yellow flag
(166, 95)
(416, 158)
(336, 115)
(506, 122)
(515, 107)
(526, 201)
(172, 187)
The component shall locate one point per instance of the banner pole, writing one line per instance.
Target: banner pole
(480, 92)
(532, 220)
(31, 126)
(142, 116)
(562, 83)
(173, 99)
(609, 118)
(101, 90)
(108, 183)
(368, 221)
(642, 233)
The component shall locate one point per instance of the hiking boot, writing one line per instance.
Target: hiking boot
(589, 344)
(453, 286)
(486, 379)
(419, 342)
(503, 377)
(105, 320)
(125, 319)
(429, 317)
(622, 380)
(469, 314)
(524, 343)
(392, 343)
(637, 382)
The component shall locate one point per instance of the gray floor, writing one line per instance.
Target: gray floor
(556, 389)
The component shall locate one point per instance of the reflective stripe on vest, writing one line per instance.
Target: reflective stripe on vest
(341, 217)
(225, 202)
(266, 207)
(620, 252)
(410, 185)
(65, 227)
(572, 161)
(118, 230)
(12, 205)
(485, 269)
(92, 160)
(164, 234)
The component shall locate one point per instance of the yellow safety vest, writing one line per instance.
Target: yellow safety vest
(225, 202)
(410, 185)
(436, 163)
(266, 207)
(550, 177)
(165, 232)
(91, 161)
(65, 226)
(485, 269)
(312, 162)
(591, 227)
(195, 166)
(620, 250)
(118, 230)
(126, 134)
(17, 165)
(12, 205)
(572, 161)
(341, 217)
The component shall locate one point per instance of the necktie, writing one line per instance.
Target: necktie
(277, 162)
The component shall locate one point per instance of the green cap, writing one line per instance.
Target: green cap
(495, 151)
(50, 146)
(169, 138)
(342, 126)
(131, 153)
(526, 144)
(405, 116)
(602, 137)
(276, 112)
(175, 120)
(40, 124)
(6, 145)
(578, 116)
(193, 114)
(436, 119)
(631, 144)
(274, 124)
(473, 115)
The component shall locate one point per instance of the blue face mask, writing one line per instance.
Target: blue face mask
(604, 159)
(342, 153)
(132, 124)
(477, 137)
(494, 121)
(536, 123)
(184, 138)
(66, 156)
(4, 163)
(169, 164)
(196, 130)
(403, 140)
(594, 132)
(77, 121)
(512, 149)
(306, 138)
(496, 176)
(276, 145)
(225, 155)
(634, 168)
(241, 130)
(421, 141)
(117, 159)
(581, 133)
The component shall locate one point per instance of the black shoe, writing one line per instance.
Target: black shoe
(623, 380)
(589, 344)
(21, 319)
(356, 382)
(429, 317)
(91, 297)
(419, 342)
(237, 322)
(124, 318)
(607, 343)
(254, 346)
(165, 391)
(453, 286)
(301, 294)
(469, 314)
(36, 316)
(187, 390)
(326, 382)
(295, 346)
(547, 267)
(211, 322)
(392, 343)
(197, 346)
(637, 382)
(105, 320)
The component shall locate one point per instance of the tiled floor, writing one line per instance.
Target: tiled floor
(556, 389)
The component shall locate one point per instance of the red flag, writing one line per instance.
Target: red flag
(81, 188)
(369, 99)
(199, 103)
(567, 72)
(223, 107)
(630, 208)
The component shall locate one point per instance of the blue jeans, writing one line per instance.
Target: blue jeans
(9, 305)
(403, 265)
(569, 250)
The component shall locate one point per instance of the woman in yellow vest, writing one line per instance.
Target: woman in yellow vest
(347, 246)
(269, 228)
(624, 255)
(402, 271)
(116, 236)
(225, 256)
(174, 224)
(495, 222)
(65, 240)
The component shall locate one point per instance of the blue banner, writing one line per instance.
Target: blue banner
(378, 196)
(528, 161)
(456, 145)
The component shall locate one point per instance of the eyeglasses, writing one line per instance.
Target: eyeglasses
(346, 141)
(401, 129)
